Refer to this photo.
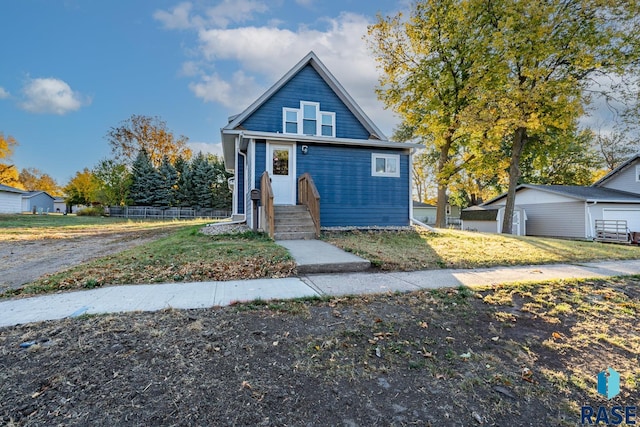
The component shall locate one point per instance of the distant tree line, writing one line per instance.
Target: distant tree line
(151, 167)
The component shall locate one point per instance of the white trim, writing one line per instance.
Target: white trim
(292, 170)
(286, 110)
(234, 197)
(410, 186)
(391, 174)
(334, 141)
(300, 119)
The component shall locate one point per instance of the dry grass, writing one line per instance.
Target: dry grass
(419, 249)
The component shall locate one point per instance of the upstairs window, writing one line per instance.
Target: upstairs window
(290, 120)
(637, 173)
(308, 120)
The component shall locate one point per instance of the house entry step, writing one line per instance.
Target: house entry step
(315, 256)
(293, 222)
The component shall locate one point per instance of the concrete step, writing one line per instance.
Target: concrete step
(294, 235)
(297, 217)
(315, 256)
(292, 221)
(295, 228)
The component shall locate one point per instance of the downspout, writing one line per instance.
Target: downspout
(590, 230)
(410, 173)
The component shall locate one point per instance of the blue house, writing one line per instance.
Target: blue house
(306, 149)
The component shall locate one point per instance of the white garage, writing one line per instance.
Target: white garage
(632, 216)
(10, 199)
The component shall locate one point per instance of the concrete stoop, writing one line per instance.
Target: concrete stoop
(315, 256)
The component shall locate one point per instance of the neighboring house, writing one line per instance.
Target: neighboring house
(488, 219)
(307, 125)
(424, 212)
(37, 202)
(571, 211)
(10, 199)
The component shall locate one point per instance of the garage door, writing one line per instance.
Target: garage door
(632, 216)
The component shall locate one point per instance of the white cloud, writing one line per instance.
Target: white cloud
(248, 59)
(206, 147)
(220, 15)
(340, 46)
(3, 93)
(51, 95)
(177, 19)
(240, 90)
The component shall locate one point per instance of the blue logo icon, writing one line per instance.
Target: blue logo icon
(609, 383)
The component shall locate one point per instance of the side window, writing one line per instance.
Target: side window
(385, 165)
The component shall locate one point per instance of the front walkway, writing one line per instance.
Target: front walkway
(116, 299)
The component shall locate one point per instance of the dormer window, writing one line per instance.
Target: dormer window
(308, 120)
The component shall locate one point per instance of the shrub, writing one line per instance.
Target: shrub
(93, 211)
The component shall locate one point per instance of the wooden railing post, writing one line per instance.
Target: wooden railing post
(308, 195)
(266, 199)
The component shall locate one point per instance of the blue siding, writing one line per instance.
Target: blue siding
(240, 190)
(261, 161)
(349, 195)
(307, 85)
(40, 201)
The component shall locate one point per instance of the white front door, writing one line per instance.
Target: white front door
(281, 168)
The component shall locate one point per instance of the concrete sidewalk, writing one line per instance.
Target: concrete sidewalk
(116, 299)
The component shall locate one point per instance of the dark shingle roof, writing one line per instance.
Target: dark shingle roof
(587, 194)
(10, 189)
(480, 213)
(422, 205)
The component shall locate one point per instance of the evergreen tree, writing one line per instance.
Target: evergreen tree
(201, 178)
(166, 192)
(144, 180)
(184, 191)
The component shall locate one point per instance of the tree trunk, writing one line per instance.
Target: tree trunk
(519, 141)
(441, 206)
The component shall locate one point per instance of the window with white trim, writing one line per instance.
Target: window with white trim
(385, 165)
(308, 120)
(637, 173)
(290, 117)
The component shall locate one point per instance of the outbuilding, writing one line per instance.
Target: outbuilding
(37, 202)
(10, 199)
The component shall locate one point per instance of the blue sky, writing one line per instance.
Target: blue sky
(72, 69)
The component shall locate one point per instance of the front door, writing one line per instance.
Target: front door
(281, 168)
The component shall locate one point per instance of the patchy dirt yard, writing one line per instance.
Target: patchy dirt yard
(24, 260)
(522, 355)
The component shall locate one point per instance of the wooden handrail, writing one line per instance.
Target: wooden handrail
(266, 199)
(308, 195)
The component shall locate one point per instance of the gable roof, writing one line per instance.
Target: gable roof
(8, 189)
(577, 192)
(323, 71)
(614, 172)
(30, 194)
